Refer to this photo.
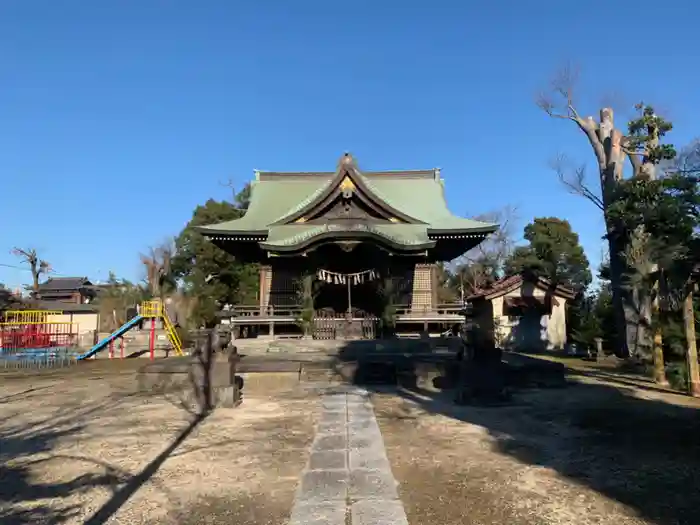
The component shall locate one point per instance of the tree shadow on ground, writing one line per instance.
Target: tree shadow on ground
(24, 499)
(641, 452)
(24, 446)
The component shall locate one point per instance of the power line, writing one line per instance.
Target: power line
(14, 266)
(25, 269)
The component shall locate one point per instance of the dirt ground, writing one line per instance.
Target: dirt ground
(93, 449)
(592, 453)
(97, 445)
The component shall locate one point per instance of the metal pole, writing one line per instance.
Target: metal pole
(152, 339)
(349, 300)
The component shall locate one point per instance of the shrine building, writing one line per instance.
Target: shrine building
(367, 244)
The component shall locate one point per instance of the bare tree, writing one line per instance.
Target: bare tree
(482, 265)
(687, 162)
(231, 186)
(240, 199)
(574, 179)
(157, 264)
(611, 149)
(37, 266)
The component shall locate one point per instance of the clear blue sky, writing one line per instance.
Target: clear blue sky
(118, 117)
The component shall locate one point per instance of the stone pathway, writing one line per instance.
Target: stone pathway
(348, 478)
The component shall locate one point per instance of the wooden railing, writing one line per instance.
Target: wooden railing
(262, 311)
(440, 309)
(294, 312)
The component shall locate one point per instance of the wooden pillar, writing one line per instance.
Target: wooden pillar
(434, 286)
(423, 288)
(265, 286)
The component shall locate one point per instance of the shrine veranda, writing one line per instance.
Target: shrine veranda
(365, 244)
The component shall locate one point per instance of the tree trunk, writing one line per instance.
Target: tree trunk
(660, 290)
(691, 345)
(607, 145)
(627, 335)
(659, 366)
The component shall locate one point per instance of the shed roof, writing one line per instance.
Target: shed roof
(512, 283)
(68, 308)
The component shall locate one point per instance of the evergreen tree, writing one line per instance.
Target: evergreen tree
(553, 252)
(208, 274)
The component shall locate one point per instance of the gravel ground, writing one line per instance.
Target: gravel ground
(90, 446)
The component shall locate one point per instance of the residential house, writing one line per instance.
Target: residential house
(71, 298)
(73, 290)
(83, 318)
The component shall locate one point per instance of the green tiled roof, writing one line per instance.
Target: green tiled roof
(292, 234)
(270, 200)
(419, 195)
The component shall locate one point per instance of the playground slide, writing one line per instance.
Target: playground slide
(111, 337)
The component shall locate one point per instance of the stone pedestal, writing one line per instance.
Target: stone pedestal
(228, 397)
(599, 349)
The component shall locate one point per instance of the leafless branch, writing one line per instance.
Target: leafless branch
(687, 162)
(562, 85)
(575, 181)
(232, 186)
(480, 266)
(37, 266)
(157, 264)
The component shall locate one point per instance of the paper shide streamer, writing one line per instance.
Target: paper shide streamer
(343, 278)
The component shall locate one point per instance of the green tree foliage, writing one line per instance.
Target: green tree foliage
(644, 137)
(7, 300)
(242, 198)
(553, 252)
(208, 274)
(593, 315)
(667, 210)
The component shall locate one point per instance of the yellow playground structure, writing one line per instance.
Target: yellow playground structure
(148, 310)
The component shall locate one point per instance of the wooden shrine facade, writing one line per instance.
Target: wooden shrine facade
(355, 247)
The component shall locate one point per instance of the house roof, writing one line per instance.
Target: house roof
(64, 283)
(65, 307)
(415, 200)
(512, 283)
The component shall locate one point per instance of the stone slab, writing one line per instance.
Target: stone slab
(335, 427)
(366, 439)
(323, 485)
(359, 408)
(334, 400)
(333, 417)
(369, 512)
(329, 442)
(372, 484)
(369, 459)
(358, 401)
(360, 415)
(326, 513)
(328, 460)
(365, 425)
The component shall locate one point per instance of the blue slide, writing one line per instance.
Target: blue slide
(111, 337)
